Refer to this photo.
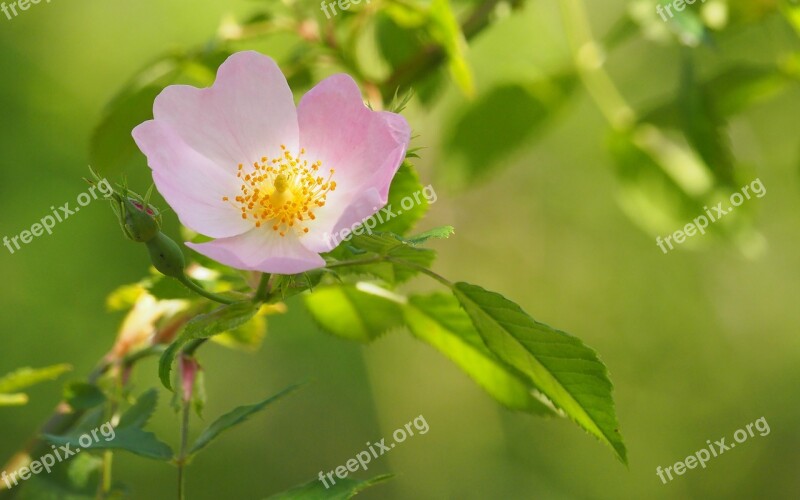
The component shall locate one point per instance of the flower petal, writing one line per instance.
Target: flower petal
(192, 185)
(248, 112)
(364, 147)
(261, 250)
(360, 207)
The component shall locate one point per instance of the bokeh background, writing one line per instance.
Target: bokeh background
(698, 342)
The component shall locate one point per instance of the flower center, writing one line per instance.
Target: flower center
(282, 192)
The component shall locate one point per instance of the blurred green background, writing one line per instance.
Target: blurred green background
(698, 343)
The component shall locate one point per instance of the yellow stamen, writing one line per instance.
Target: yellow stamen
(278, 192)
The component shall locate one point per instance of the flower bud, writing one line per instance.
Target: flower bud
(166, 255)
(140, 223)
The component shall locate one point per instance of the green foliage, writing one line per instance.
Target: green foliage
(672, 160)
(222, 319)
(140, 413)
(248, 336)
(75, 479)
(234, 418)
(442, 232)
(445, 31)
(129, 435)
(485, 135)
(385, 256)
(112, 149)
(404, 185)
(559, 365)
(344, 489)
(439, 321)
(24, 378)
(688, 27)
(83, 396)
(353, 312)
(436, 23)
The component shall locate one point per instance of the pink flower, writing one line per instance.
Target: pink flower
(272, 183)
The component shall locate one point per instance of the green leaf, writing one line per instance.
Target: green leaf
(129, 434)
(442, 232)
(83, 396)
(75, 479)
(444, 29)
(344, 489)
(130, 439)
(703, 124)
(483, 138)
(665, 185)
(369, 247)
(139, 414)
(396, 44)
(248, 336)
(165, 288)
(687, 26)
(234, 418)
(112, 148)
(730, 92)
(406, 191)
(558, 364)
(26, 377)
(354, 312)
(439, 321)
(222, 319)
(293, 284)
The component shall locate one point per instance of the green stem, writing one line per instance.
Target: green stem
(588, 56)
(63, 419)
(355, 262)
(191, 285)
(181, 462)
(262, 293)
(193, 345)
(108, 458)
(386, 258)
(424, 270)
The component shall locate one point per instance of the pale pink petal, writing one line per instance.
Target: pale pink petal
(261, 249)
(360, 206)
(248, 112)
(192, 185)
(364, 147)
